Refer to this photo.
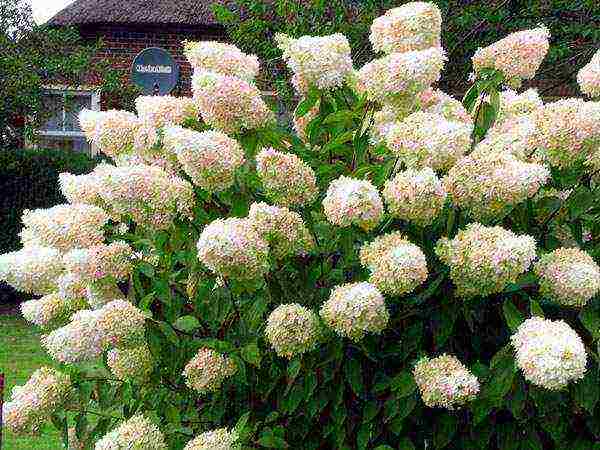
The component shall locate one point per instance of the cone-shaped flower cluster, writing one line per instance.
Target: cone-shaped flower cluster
(100, 261)
(130, 363)
(350, 201)
(220, 439)
(206, 371)
(51, 310)
(113, 132)
(292, 330)
(33, 270)
(225, 59)
(162, 110)
(136, 433)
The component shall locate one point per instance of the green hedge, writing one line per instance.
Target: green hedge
(29, 180)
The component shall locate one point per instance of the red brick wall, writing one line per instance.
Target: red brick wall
(121, 43)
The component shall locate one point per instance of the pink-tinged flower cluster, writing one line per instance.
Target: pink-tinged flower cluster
(385, 119)
(412, 26)
(518, 56)
(71, 287)
(484, 260)
(225, 59)
(355, 309)
(228, 103)
(51, 310)
(135, 433)
(148, 194)
(435, 101)
(283, 229)
(400, 75)
(567, 131)
(134, 364)
(549, 353)
(207, 371)
(588, 77)
(32, 404)
(322, 62)
(210, 158)
(396, 266)
(117, 324)
(515, 135)
(159, 111)
(350, 201)
(32, 270)
(100, 261)
(233, 248)
(415, 195)
(513, 104)
(64, 226)
(429, 140)
(220, 439)
(445, 382)
(286, 179)
(568, 276)
(113, 132)
(292, 330)
(487, 186)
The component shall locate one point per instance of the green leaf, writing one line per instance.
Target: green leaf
(187, 324)
(586, 391)
(251, 354)
(590, 318)
(307, 104)
(294, 368)
(352, 371)
(535, 308)
(444, 431)
(270, 440)
(503, 372)
(512, 315)
(403, 384)
(406, 444)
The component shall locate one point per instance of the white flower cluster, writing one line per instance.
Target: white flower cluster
(225, 59)
(568, 276)
(135, 433)
(33, 270)
(350, 201)
(355, 309)
(51, 310)
(206, 371)
(513, 104)
(484, 260)
(445, 382)
(292, 330)
(549, 353)
(397, 266)
(130, 363)
(113, 132)
(162, 110)
(322, 62)
(219, 439)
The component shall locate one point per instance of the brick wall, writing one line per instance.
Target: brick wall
(121, 43)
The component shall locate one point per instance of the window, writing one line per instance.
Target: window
(61, 129)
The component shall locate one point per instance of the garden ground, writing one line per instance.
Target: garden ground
(20, 355)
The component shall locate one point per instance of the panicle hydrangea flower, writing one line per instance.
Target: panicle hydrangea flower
(486, 186)
(568, 276)
(162, 110)
(112, 131)
(484, 260)
(210, 158)
(117, 324)
(515, 135)
(206, 371)
(100, 292)
(397, 266)
(292, 330)
(518, 56)
(80, 188)
(415, 195)
(354, 309)
(384, 120)
(400, 74)
(323, 62)
(33, 270)
(513, 104)
(135, 433)
(350, 201)
(225, 59)
(220, 439)
(445, 382)
(549, 353)
(588, 77)
(435, 101)
(51, 310)
(412, 26)
(233, 248)
(131, 363)
(100, 261)
(567, 131)
(287, 180)
(283, 229)
(429, 140)
(71, 287)
(33, 403)
(64, 227)
(228, 103)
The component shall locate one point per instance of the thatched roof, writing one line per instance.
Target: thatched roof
(182, 12)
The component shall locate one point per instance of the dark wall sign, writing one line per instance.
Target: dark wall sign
(155, 71)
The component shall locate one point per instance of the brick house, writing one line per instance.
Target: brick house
(125, 27)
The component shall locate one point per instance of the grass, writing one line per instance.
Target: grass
(20, 355)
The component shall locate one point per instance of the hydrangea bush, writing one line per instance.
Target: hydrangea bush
(401, 270)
